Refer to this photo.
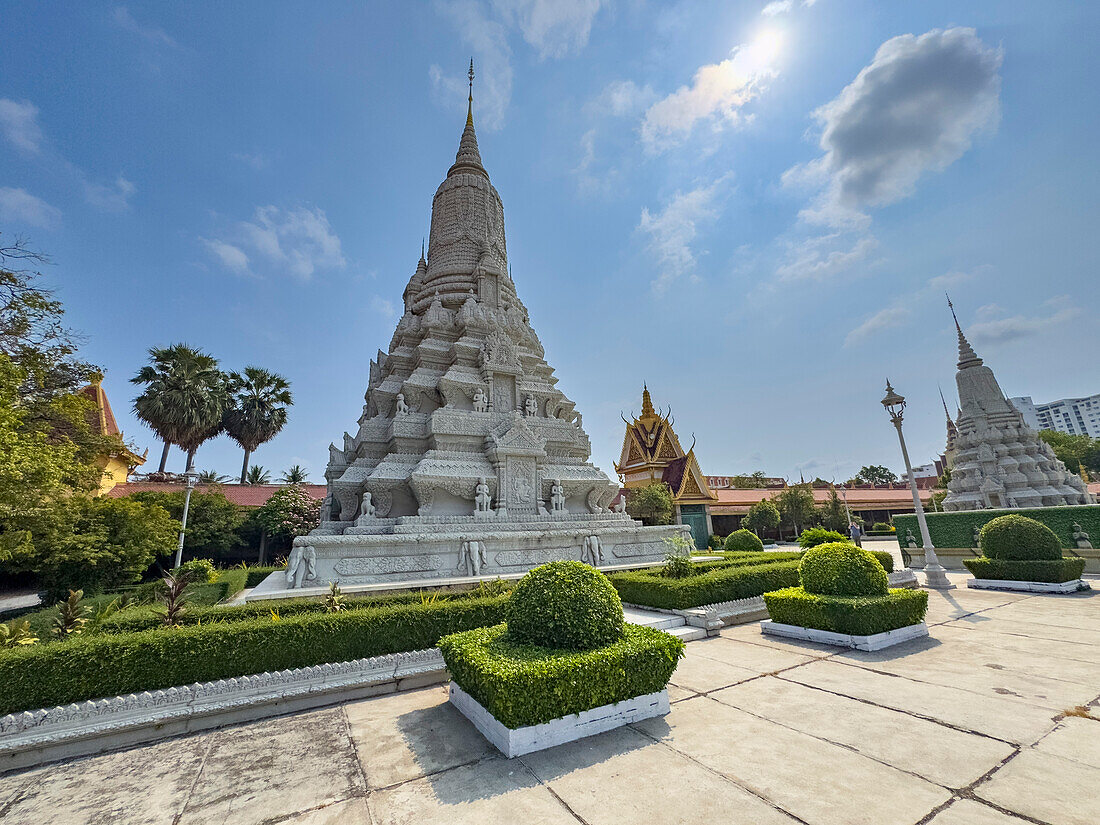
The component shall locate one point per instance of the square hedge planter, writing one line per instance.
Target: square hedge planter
(1037, 571)
(847, 616)
(1012, 585)
(520, 687)
(875, 641)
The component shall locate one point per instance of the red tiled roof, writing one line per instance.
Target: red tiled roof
(735, 502)
(246, 495)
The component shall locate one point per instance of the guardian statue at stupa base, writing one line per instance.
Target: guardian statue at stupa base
(468, 459)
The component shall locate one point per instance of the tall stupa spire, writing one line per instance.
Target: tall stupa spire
(967, 356)
(647, 403)
(468, 158)
(470, 104)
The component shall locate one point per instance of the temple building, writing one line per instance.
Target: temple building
(467, 461)
(651, 453)
(998, 461)
(120, 461)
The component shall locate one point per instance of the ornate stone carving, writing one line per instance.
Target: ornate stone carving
(400, 407)
(481, 400)
(591, 551)
(389, 564)
(301, 567)
(1081, 538)
(557, 498)
(531, 407)
(483, 501)
(472, 556)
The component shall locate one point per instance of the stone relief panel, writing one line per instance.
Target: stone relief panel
(504, 393)
(521, 485)
(382, 565)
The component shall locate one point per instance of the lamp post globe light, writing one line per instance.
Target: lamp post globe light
(191, 477)
(935, 575)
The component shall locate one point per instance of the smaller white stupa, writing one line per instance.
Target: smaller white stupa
(999, 461)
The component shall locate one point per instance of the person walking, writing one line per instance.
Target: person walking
(855, 533)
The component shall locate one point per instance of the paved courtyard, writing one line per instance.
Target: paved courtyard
(968, 727)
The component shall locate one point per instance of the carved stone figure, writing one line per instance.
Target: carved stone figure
(401, 406)
(482, 499)
(1081, 538)
(976, 536)
(326, 508)
(621, 506)
(473, 556)
(557, 498)
(481, 400)
(591, 551)
(367, 510)
(531, 407)
(910, 539)
(301, 567)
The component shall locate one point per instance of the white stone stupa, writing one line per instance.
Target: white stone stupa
(468, 460)
(1000, 462)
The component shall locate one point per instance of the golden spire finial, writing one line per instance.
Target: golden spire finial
(470, 104)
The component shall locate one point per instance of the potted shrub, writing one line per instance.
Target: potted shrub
(564, 665)
(743, 540)
(844, 600)
(1020, 553)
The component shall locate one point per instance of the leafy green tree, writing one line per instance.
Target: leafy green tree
(212, 477)
(213, 521)
(832, 514)
(763, 515)
(257, 475)
(289, 513)
(1075, 451)
(751, 481)
(652, 505)
(257, 410)
(185, 398)
(796, 506)
(295, 475)
(874, 474)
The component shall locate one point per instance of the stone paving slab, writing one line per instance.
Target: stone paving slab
(933, 751)
(965, 728)
(816, 781)
(1048, 788)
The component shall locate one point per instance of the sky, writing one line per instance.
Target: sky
(754, 207)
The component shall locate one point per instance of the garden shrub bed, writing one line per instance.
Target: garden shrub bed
(957, 529)
(524, 685)
(717, 585)
(97, 666)
(1052, 571)
(255, 575)
(853, 615)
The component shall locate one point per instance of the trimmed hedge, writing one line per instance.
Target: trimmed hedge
(149, 616)
(719, 585)
(1018, 538)
(91, 667)
(857, 616)
(842, 569)
(1053, 571)
(565, 605)
(229, 583)
(743, 540)
(884, 558)
(255, 575)
(814, 536)
(956, 529)
(527, 685)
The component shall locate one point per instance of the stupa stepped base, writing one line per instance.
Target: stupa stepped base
(445, 555)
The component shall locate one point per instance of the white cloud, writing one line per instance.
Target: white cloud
(297, 241)
(994, 330)
(672, 231)
(955, 277)
(914, 109)
(19, 124)
(109, 197)
(150, 34)
(820, 258)
(621, 98)
(717, 93)
(20, 206)
(776, 7)
(383, 307)
(554, 27)
(488, 39)
(231, 257)
(883, 319)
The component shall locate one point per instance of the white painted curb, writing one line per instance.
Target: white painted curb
(876, 641)
(1071, 586)
(518, 741)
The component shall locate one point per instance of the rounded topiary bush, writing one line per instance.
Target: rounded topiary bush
(842, 569)
(567, 605)
(743, 540)
(814, 536)
(1016, 538)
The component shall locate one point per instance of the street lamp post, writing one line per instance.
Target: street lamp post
(191, 479)
(935, 575)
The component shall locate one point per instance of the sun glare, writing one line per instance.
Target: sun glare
(767, 45)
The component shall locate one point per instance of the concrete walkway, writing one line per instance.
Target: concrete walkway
(968, 727)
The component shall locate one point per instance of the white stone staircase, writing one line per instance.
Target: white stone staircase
(668, 622)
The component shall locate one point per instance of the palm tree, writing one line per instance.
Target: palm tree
(257, 475)
(295, 475)
(184, 399)
(212, 477)
(257, 410)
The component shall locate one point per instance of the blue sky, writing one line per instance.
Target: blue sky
(754, 207)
